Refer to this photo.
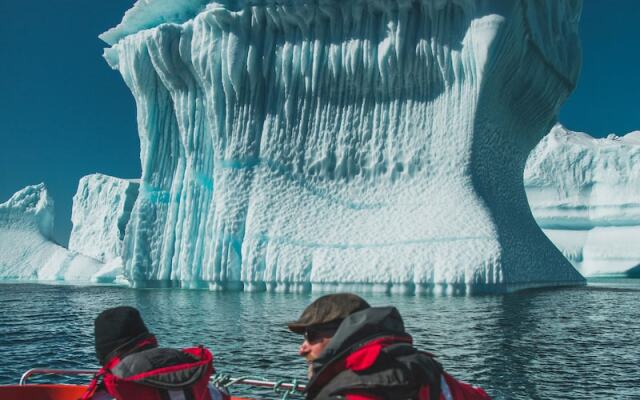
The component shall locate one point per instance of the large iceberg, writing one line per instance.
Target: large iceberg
(26, 244)
(585, 194)
(294, 145)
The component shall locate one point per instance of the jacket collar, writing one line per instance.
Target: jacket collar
(356, 330)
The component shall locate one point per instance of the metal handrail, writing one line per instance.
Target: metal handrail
(266, 384)
(230, 381)
(45, 371)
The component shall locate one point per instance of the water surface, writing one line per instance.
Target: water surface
(571, 343)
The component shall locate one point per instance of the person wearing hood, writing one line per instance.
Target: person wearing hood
(358, 352)
(134, 367)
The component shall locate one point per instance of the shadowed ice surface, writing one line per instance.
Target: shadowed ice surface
(564, 343)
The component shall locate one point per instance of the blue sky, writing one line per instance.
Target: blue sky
(65, 114)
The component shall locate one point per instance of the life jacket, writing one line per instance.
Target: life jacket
(368, 360)
(375, 369)
(145, 373)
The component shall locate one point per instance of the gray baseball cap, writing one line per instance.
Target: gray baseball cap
(328, 310)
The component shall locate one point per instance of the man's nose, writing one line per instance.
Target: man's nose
(304, 349)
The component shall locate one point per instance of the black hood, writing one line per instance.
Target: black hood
(361, 327)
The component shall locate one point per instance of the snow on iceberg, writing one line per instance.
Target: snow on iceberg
(585, 194)
(28, 252)
(295, 145)
(150, 13)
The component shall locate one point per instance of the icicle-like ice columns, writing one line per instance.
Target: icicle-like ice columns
(289, 145)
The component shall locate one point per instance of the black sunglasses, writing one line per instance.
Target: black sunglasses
(314, 335)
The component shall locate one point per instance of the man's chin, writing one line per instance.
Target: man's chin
(309, 369)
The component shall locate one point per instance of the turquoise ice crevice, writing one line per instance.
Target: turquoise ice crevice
(309, 143)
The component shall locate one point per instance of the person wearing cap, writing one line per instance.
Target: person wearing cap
(358, 352)
(118, 331)
(134, 367)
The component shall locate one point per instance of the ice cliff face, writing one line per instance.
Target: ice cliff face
(295, 145)
(26, 225)
(585, 194)
(101, 209)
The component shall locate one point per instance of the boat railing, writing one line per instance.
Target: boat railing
(279, 386)
(47, 371)
(282, 387)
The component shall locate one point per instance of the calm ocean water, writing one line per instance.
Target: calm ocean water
(544, 344)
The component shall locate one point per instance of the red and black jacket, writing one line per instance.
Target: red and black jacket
(146, 372)
(371, 357)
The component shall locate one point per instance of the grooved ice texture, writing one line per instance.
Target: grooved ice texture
(327, 145)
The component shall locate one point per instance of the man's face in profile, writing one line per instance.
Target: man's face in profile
(315, 341)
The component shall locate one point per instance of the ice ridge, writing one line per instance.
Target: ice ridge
(147, 14)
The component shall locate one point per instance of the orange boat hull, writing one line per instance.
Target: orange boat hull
(42, 392)
(48, 392)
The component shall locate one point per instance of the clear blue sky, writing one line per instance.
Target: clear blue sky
(65, 114)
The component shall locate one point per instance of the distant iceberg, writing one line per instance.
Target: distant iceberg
(101, 210)
(303, 145)
(26, 245)
(585, 194)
